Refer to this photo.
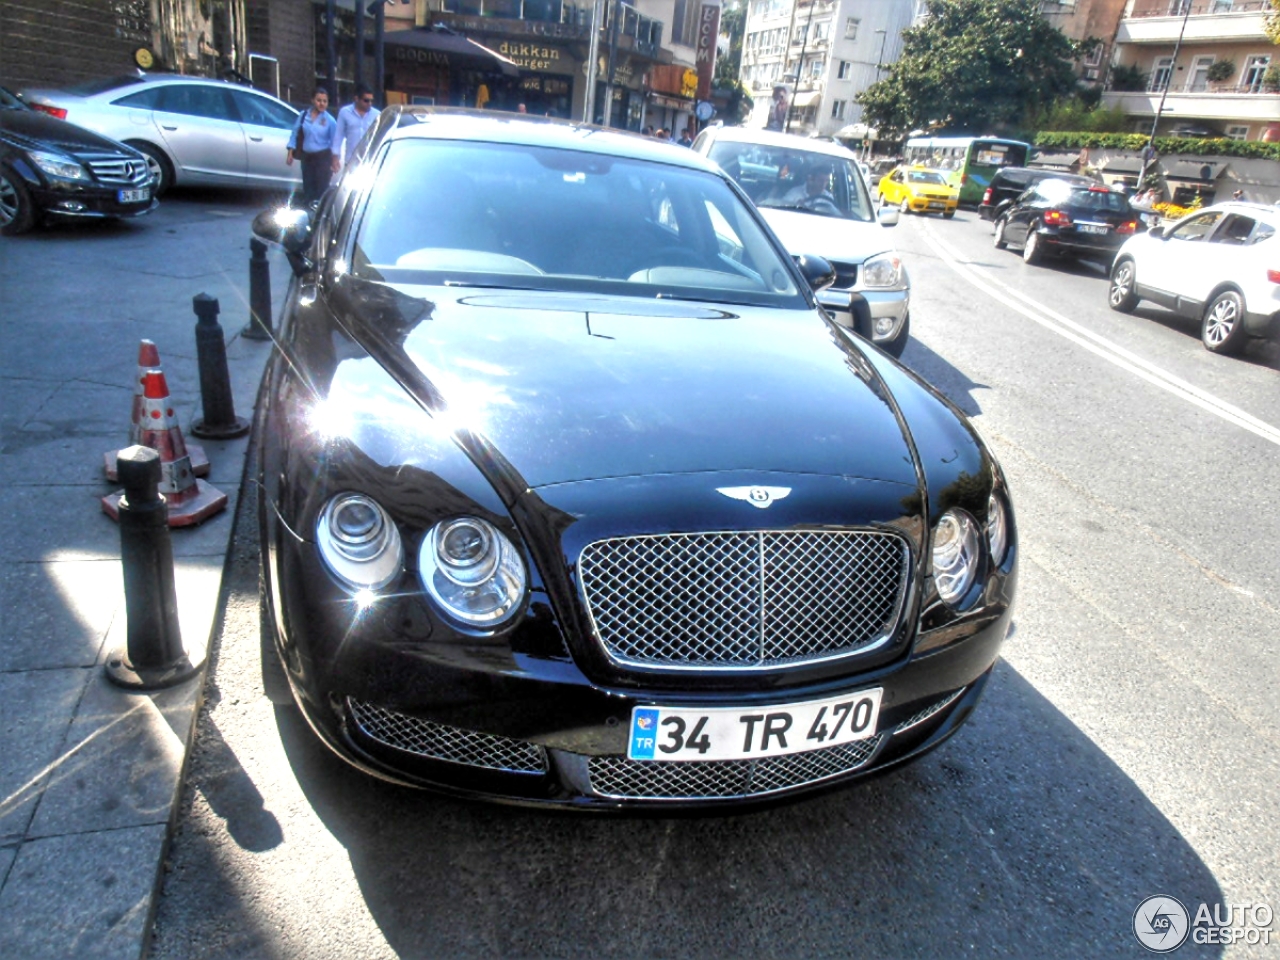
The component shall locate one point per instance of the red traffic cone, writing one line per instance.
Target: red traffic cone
(188, 499)
(149, 359)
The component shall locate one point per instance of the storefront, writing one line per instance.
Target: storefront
(435, 66)
(545, 84)
(671, 97)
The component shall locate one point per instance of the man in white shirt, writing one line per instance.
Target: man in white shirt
(353, 120)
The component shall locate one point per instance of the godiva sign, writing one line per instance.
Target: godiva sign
(531, 56)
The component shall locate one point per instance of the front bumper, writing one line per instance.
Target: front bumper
(888, 311)
(1073, 243)
(66, 198)
(927, 205)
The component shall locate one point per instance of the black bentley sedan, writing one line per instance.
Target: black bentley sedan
(572, 495)
(1065, 217)
(51, 168)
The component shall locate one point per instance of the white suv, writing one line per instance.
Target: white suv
(1220, 265)
(813, 196)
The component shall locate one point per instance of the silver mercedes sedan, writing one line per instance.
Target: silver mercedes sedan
(193, 131)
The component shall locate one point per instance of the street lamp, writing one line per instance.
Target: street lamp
(884, 35)
(1149, 152)
(804, 41)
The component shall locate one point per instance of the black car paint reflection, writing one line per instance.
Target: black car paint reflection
(566, 414)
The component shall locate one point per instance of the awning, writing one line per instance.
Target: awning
(452, 45)
(670, 102)
(806, 99)
(857, 131)
(1123, 165)
(1055, 161)
(1194, 171)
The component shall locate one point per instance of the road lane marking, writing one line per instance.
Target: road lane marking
(1100, 346)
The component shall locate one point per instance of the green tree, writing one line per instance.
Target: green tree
(979, 65)
(1272, 23)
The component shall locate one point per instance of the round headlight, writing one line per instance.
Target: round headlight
(997, 529)
(358, 542)
(955, 555)
(472, 571)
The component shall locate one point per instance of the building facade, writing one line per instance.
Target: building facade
(1088, 20)
(1218, 84)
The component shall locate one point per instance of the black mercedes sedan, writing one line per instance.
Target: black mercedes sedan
(51, 168)
(572, 495)
(1066, 217)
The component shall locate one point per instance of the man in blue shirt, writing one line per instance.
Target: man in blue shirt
(311, 143)
(353, 120)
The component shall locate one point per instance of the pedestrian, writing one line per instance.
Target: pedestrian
(1238, 195)
(353, 120)
(686, 138)
(310, 144)
(521, 108)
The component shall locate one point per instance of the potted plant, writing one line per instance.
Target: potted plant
(1271, 79)
(1220, 71)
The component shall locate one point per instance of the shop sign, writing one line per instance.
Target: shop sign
(529, 28)
(417, 55)
(530, 56)
(708, 33)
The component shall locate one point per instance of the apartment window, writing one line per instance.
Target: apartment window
(851, 28)
(1160, 74)
(1198, 79)
(1179, 7)
(837, 109)
(1221, 6)
(1238, 133)
(1254, 68)
(843, 71)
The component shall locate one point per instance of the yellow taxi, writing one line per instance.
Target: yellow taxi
(919, 190)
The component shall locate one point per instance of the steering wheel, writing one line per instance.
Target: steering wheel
(821, 204)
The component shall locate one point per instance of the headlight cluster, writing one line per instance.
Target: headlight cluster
(469, 568)
(472, 571)
(882, 271)
(56, 165)
(957, 549)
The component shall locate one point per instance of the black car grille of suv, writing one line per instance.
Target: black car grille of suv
(846, 275)
(744, 600)
(115, 170)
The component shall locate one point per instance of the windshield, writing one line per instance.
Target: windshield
(791, 179)
(9, 102)
(486, 214)
(926, 176)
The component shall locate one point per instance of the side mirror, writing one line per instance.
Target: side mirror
(888, 216)
(291, 228)
(1157, 232)
(817, 272)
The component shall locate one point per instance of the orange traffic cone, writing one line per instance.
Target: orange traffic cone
(188, 499)
(149, 359)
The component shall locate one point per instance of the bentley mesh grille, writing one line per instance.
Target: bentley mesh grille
(442, 742)
(743, 600)
(621, 778)
(932, 710)
(118, 171)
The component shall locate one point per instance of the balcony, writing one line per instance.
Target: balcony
(1241, 105)
(1209, 21)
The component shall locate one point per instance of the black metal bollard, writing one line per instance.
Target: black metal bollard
(220, 421)
(259, 326)
(154, 656)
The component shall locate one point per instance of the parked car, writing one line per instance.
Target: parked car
(572, 496)
(51, 168)
(1009, 183)
(1063, 218)
(193, 131)
(872, 291)
(919, 190)
(1219, 265)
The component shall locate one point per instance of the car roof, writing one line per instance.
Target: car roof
(772, 138)
(456, 123)
(1263, 211)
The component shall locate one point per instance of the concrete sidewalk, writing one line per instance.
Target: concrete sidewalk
(90, 775)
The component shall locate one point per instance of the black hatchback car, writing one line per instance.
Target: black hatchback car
(1009, 183)
(571, 494)
(1062, 218)
(49, 167)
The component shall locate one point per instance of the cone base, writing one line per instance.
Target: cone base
(207, 501)
(199, 462)
(125, 674)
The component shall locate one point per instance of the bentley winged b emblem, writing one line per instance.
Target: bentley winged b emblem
(756, 496)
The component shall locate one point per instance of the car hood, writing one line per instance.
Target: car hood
(33, 130)
(551, 388)
(849, 241)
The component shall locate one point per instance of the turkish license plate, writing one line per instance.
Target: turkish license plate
(140, 195)
(1092, 227)
(934, 203)
(733, 733)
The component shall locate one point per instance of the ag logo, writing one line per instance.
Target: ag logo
(756, 496)
(1161, 924)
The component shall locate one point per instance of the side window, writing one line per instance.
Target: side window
(142, 100)
(1235, 229)
(1196, 228)
(196, 101)
(1264, 231)
(727, 240)
(262, 112)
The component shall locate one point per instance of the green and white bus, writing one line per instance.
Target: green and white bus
(971, 162)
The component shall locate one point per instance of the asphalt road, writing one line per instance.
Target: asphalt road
(1129, 745)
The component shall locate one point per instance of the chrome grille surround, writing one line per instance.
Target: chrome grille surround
(928, 712)
(846, 275)
(744, 600)
(439, 741)
(115, 170)
(619, 778)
